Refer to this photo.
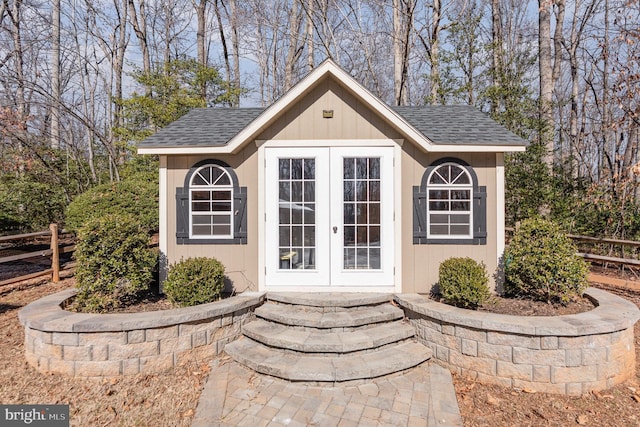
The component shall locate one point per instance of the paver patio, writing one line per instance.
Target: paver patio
(237, 396)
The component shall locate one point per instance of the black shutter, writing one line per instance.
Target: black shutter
(480, 216)
(182, 215)
(240, 215)
(419, 215)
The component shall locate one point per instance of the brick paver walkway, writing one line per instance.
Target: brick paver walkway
(237, 396)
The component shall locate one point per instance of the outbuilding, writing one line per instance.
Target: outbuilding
(330, 189)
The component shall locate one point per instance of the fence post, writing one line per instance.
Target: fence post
(55, 255)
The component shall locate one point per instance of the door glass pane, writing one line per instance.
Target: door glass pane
(296, 219)
(349, 190)
(374, 168)
(296, 169)
(349, 214)
(361, 241)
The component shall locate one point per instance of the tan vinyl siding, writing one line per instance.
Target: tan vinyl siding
(351, 118)
(420, 263)
(240, 261)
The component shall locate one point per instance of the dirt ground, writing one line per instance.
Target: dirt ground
(140, 400)
(171, 399)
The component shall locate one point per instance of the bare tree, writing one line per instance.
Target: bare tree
(295, 45)
(138, 18)
(402, 30)
(580, 17)
(497, 42)
(549, 64)
(430, 37)
(55, 75)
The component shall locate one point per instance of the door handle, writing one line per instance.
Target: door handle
(335, 229)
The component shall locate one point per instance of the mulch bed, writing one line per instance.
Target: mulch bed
(523, 307)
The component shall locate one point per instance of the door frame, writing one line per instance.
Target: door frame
(262, 145)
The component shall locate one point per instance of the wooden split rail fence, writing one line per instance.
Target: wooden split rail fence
(55, 249)
(601, 250)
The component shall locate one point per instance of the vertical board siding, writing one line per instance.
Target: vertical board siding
(421, 262)
(351, 120)
(240, 261)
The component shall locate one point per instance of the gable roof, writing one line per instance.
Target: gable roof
(433, 127)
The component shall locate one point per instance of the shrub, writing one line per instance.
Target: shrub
(194, 281)
(541, 264)
(137, 196)
(464, 282)
(29, 205)
(114, 262)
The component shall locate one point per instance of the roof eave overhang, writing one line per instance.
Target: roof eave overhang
(434, 148)
(328, 67)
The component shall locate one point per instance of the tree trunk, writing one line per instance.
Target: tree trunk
(201, 8)
(397, 52)
(402, 27)
(118, 58)
(139, 23)
(606, 125)
(497, 54)
(235, 44)
(309, 35)
(294, 50)
(223, 41)
(546, 80)
(18, 54)
(434, 54)
(55, 76)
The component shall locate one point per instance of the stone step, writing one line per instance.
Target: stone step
(323, 341)
(298, 315)
(303, 367)
(330, 299)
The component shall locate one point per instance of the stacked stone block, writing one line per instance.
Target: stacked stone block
(89, 345)
(570, 355)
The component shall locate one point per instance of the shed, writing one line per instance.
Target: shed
(331, 189)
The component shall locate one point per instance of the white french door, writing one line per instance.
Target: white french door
(329, 217)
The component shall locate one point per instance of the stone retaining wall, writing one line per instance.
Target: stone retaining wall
(95, 345)
(571, 354)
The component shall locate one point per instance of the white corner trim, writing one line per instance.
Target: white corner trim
(397, 216)
(500, 206)
(262, 238)
(162, 214)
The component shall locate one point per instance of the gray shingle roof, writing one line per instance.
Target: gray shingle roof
(457, 124)
(203, 127)
(442, 124)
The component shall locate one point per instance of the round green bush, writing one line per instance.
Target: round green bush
(541, 264)
(137, 196)
(194, 281)
(463, 282)
(114, 262)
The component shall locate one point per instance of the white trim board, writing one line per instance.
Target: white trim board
(449, 148)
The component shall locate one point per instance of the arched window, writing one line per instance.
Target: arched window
(211, 206)
(211, 201)
(449, 197)
(449, 206)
